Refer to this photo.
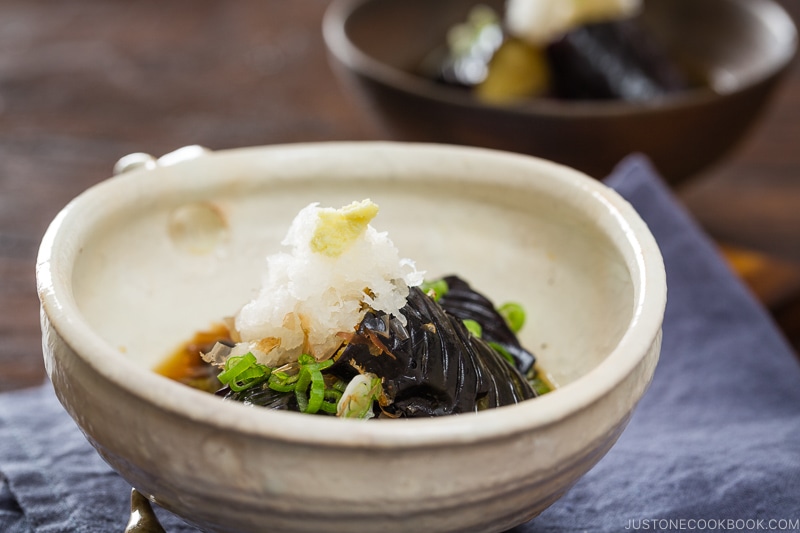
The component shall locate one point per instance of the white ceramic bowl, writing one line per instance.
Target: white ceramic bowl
(138, 263)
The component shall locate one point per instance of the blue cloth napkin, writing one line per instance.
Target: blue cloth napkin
(715, 442)
(714, 445)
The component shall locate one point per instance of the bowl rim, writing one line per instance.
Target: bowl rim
(357, 60)
(60, 246)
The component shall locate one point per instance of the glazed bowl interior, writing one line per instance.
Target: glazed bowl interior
(736, 51)
(503, 235)
(136, 265)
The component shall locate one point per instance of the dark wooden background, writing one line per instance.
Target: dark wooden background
(84, 82)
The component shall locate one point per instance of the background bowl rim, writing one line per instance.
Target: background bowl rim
(58, 251)
(356, 59)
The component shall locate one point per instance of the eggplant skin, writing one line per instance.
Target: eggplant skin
(432, 366)
(464, 302)
(262, 396)
(613, 60)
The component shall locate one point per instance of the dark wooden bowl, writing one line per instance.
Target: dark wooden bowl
(742, 46)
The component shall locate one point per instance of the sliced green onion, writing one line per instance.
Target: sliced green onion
(235, 365)
(316, 394)
(242, 372)
(328, 407)
(473, 327)
(333, 394)
(303, 380)
(308, 383)
(300, 388)
(435, 289)
(357, 400)
(540, 386)
(499, 348)
(309, 387)
(306, 359)
(514, 315)
(282, 382)
(340, 386)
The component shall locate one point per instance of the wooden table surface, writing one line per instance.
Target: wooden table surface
(85, 82)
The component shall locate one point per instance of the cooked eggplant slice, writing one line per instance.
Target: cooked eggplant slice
(612, 60)
(463, 302)
(262, 396)
(432, 366)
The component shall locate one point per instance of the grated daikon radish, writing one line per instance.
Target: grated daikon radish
(316, 292)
